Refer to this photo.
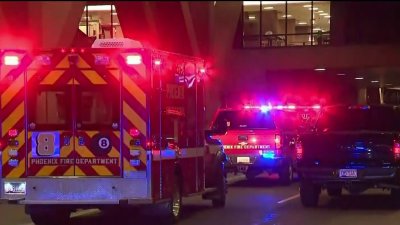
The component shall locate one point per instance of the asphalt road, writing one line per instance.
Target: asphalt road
(259, 202)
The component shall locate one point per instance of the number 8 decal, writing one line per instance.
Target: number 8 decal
(45, 144)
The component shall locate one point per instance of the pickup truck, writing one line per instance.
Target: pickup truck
(353, 148)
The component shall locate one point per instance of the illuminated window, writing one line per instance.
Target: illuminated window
(285, 23)
(100, 21)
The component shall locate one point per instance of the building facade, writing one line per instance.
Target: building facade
(281, 51)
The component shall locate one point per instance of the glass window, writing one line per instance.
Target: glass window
(97, 108)
(100, 21)
(243, 120)
(298, 20)
(51, 108)
(285, 23)
(321, 22)
(251, 23)
(273, 23)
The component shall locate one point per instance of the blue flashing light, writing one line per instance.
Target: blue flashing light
(268, 155)
(266, 108)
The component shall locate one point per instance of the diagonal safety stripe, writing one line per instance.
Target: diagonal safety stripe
(127, 166)
(63, 64)
(70, 171)
(113, 153)
(135, 91)
(12, 90)
(52, 77)
(21, 139)
(115, 74)
(93, 77)
(134, 118)
(102, 170)
(19, 170)
(82, 64)
(140, 69)
(46, 171)
(13, 118)
(73, 81)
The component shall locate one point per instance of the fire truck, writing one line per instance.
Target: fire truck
(115, 124)
(263, 138)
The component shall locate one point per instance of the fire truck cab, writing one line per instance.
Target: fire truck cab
(115, 124)
(262, 138)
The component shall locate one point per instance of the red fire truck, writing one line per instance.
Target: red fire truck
(115, 124)
(263, 138)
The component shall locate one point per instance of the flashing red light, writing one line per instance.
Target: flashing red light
(13, 133)
(133, 59)
(396, 150)
(72, 50)
(202, 70)
(316, 107)
(280, 107)
(63, 50)
(82, 50)
(11, 60)
(157, 62)
(291, 107)
(278, 141)
(134, 132)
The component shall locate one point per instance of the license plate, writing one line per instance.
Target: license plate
(348, 173)
(243, 159)
(14, 188)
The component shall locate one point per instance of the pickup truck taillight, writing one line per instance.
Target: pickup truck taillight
(396, 150)
(278, 143)
(299, 150)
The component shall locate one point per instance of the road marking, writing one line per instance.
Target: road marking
(289, 199)
(76, 214)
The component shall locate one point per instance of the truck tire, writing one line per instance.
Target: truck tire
(286, 175)
(172, 210)
(222, 187)
(334, 192)
(309, 193)
(49, 215)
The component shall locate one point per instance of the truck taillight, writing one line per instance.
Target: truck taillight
(11, 60)
(278, 143)
(13, 133)
(133, 59)
(299, 150)
(134, 132)
(396, 150)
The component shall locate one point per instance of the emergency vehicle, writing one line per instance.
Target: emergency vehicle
(115, 124)
(263, 138)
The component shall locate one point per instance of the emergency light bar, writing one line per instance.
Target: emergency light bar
(11, 60)
(266, 108)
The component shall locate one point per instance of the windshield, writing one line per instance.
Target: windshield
(243, 120)
(382, 119)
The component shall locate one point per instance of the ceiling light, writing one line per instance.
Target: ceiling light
(114, 13)
(99, 7)
(320, 11)
(317, 29)
(269, 7)
(319, 69)
(388, 84)
(314, 9)
(252, 17)
(286, 16)
(327, 16)
(374, 81)
(323, 14)
(359, 78)
(307, 6)
(302, 23)
(341, 74)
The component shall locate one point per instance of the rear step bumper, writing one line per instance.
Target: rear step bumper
(88, 191)
(367, 174)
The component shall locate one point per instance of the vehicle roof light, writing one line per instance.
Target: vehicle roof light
(291, 107)
(316, 107)
(265, 108)
(133, 59)
(11, 60)
(202, 70)
(157, 62)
